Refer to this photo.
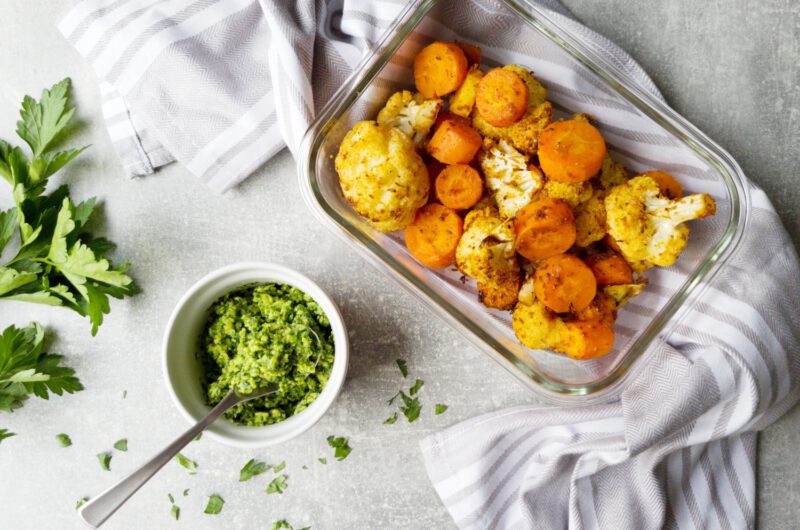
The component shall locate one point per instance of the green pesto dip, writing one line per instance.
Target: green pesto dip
(266, 334)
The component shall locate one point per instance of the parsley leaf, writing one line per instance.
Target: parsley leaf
(279, 467)
(81, 502)
(278, 485)
(171, 499)
(124, 394)
(175, 512)
(391, 419)
(323, 460)
(214, 505)
(251, 469)
(5, 434)
(121, 444)
(186, 492)
(185, 462)
(417, 386)
(58, 263)
(26, 369)
(411, 407)
(341, 446)
(277, 525)
(440, 408)
(63, 440)
(105, 460)
(401, 364)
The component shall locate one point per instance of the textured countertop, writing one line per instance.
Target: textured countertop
(730, 66)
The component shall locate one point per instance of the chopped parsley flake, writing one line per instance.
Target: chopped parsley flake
(411, 408)
(277, 469)
(278, 485)
(251, 469)
(185, 462)
(81, 502)
(63, 440)
(391, 419)
(171, 499)
(214, 505)
(440, 408)
(342, 449)
(323, 460)
(105, 460)
(175, 512)
(121, 445)
(401, 364)
(186, 492)
(417, 386)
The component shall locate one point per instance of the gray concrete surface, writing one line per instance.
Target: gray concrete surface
(730, 66)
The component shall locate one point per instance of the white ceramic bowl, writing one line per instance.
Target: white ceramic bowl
(182, 371)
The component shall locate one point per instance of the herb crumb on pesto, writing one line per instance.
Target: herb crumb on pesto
(270, 333)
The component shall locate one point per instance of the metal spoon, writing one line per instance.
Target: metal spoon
(96, 511)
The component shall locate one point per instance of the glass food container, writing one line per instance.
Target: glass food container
(641, 131)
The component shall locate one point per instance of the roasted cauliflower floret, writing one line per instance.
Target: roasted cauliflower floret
(649, 228)
(523, 134)
(463, 101)
(571, 193)
(508, 176)
(486, 252)
(580, 338)
(381, 175)
(590, 219)
(612, 173)
(410, 113)
(623, 293)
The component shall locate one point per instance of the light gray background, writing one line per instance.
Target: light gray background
(730, 66)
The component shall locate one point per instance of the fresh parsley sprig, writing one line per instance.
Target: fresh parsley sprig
(57, 263)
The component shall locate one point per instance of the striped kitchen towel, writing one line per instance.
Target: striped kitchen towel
(221, 85)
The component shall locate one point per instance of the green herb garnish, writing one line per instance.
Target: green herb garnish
(81, 502)
(105, 460)
(277, 525)
(185, 462)
(391, 419)
(342, 449)
(58, 263)
(277, 469)
(171, 499)
(411, 408)
(4, 433)
(323, 460)
(214, 505)
(124, 394)
(26, 369)
(401, 364)
(63, 440)
(278, 485)
(186, 492)
(251, 469)
(175, 512)
(417, 386)
(121, 444)
(440, 408)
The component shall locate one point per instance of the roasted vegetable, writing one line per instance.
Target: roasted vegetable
(571, 151)
(650, 228)
(501, 98)
(564, 283)
(454, 142)
(544, 228)
(508, 176)
(434, 234)
(410, 113)
(523, 134)
(463, 101)
(590, 219)
(439, 69)
(381, 175)
(459, 186)
(486, 253)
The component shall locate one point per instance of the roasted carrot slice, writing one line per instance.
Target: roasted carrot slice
(564, 283)
(544, 228)
(454, 142)
(472, 52)
(459, 186)
(610, 268)
(571, 151)
(587, 339)
(502, 97)
(668, 184)
(433, 236)
(439, 69)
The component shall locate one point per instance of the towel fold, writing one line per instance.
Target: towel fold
(222, 85)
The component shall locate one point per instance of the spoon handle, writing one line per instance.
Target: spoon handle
(96, 511)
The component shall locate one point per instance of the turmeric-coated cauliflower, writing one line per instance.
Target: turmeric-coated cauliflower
(590, 219)
(486, 252)
(573, 193)
(524, 133)
(381, 175)
(648, 227)
(623, 293)
(463, 101)
(410, 113)
(578, 336)
(612, 173)
(508, 175)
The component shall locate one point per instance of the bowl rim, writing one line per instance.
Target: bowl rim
(265, 272)
(675, 309)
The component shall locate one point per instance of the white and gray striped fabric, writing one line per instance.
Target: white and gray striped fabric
(221, 85)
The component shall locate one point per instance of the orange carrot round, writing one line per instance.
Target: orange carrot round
(564, 283)
(433, 236)
(439, 69)
(610, 269)
(612, 243)
(544, 228)
(454, 142)
(502, 97)
(588, 339)
(571, 151)
(668, 184)
(459, 186)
